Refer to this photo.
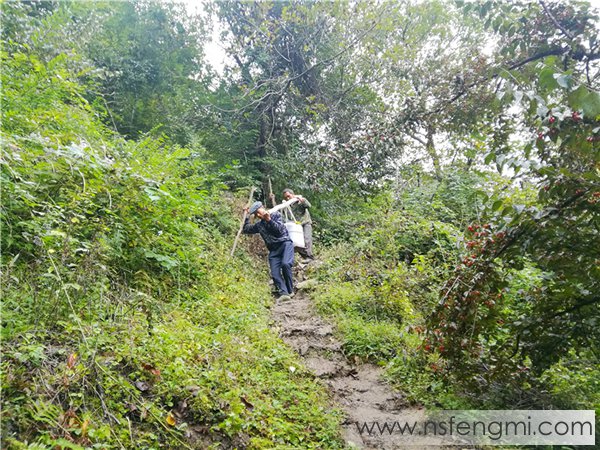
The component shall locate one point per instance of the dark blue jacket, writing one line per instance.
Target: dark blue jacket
(273, 232)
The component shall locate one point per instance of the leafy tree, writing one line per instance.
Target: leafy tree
(340, 92)
(280, 50)
(481, 321)
(143, 60)
(150, 59)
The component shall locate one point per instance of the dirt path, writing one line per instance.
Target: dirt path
(357, 389)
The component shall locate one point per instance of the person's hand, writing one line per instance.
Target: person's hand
(300, 198)
(246, 211)
(266, 217)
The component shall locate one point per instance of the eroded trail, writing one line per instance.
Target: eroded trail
(357, 389)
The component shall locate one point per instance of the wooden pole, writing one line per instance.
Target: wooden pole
(270, 193)
(237, 237)
(283, 205)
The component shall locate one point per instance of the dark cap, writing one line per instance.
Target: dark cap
(255, 206)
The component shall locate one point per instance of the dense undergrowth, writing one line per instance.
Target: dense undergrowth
(382, 280)
(125, 323)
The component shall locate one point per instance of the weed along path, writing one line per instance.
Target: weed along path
(356, 389)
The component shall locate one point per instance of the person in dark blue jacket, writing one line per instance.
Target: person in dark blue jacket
(279, 244)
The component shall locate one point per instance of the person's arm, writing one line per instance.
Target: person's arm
(304, 202)
(249, 228)
(272, 198)
(275, 224)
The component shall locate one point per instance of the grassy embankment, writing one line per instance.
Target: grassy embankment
(124, 321)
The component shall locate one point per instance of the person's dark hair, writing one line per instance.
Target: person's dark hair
(288, 191)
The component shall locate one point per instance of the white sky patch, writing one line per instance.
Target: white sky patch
(214, 50)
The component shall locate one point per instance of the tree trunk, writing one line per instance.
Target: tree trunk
(435, 158)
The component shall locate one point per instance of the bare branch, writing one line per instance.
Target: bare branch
(555, 22)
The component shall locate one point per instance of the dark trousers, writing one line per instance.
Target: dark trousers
(281, 260)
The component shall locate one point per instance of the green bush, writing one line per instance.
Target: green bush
(125, 322)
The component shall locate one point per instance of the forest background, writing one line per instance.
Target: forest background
(450, 150)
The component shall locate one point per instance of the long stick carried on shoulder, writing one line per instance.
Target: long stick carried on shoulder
(237, 237)
(283, 205)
